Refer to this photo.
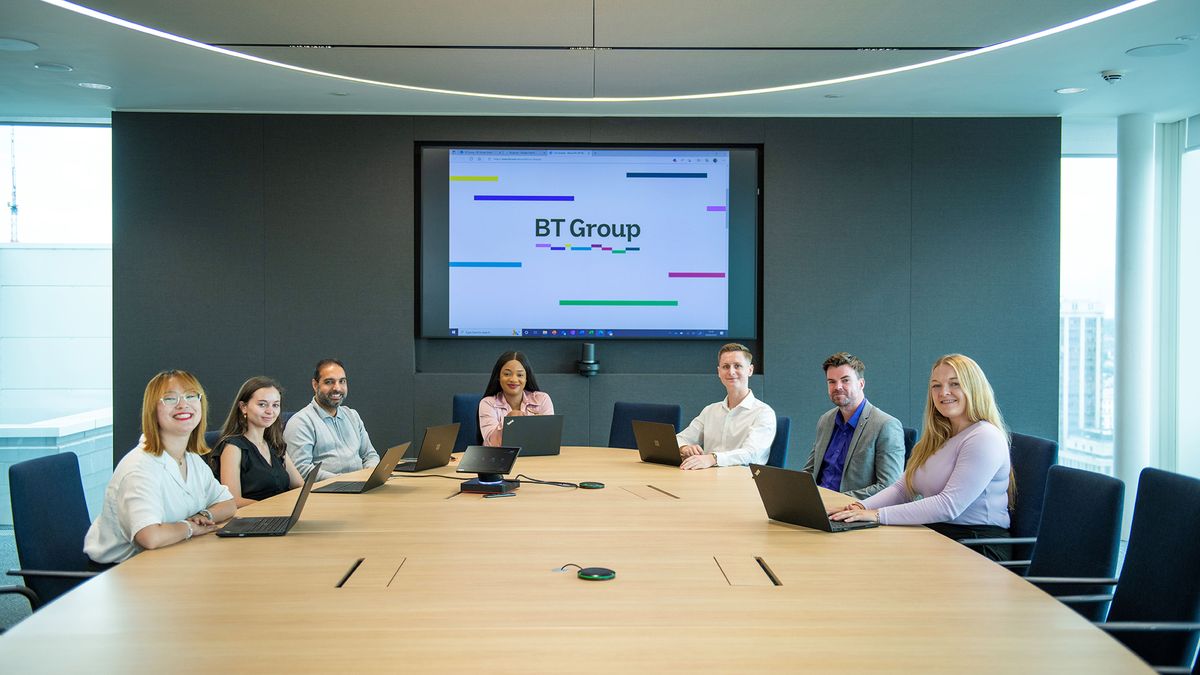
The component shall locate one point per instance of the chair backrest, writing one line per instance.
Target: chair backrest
(466, 413)
(779, 447)
(1159, 580)
(1080, 533)
(910, 439)
(620, 434)
(50, 519)
(211, 438)
(1032, 458)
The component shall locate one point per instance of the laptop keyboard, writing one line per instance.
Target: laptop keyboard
(346, 486)
(264, 524)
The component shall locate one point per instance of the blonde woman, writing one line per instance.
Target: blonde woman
(959, 479)
(162, 492)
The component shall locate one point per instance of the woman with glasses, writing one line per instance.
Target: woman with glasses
(512, 391)
(251, 458)
(162, 492)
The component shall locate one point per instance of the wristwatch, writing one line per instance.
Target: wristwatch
(206, 513)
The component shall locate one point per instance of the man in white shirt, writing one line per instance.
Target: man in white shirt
(328, 432)
(736, 430)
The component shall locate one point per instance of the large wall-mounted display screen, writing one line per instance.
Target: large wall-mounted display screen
(589, 241)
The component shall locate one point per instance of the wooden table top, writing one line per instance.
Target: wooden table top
(454, 582)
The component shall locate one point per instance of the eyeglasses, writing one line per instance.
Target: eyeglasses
(172, 400)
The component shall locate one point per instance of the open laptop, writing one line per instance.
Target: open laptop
(792, 497)
(271, 526)
(536, 435)
(383, 471)
(434, 451)
(656, 442)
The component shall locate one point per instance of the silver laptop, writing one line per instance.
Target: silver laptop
(536, 435)
(382, 472)
(656, 442)
(271, 526)
(434, 451)
(792, 497)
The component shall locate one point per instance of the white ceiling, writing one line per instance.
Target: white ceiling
(606, 48)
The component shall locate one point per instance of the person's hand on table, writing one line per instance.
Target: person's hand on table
(690, 450)
(698, 462)
(830, 510)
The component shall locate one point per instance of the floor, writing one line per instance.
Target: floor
(13, 607)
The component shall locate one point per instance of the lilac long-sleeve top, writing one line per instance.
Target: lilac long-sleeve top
(965, 482)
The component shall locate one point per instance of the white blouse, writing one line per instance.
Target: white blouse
(148, 490)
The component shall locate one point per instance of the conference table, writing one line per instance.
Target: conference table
(414, 576)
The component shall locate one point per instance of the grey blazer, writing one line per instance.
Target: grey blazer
(875, 458)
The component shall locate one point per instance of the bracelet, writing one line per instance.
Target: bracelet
(189, 527)
(206, 513)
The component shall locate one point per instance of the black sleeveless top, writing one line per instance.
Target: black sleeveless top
(259, 479)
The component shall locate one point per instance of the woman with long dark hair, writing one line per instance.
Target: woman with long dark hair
(512, 391)
(251, 458)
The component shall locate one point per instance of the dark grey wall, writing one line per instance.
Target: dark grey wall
(256, 244)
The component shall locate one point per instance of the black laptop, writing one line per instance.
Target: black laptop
(271, 526)
(656, 442)
(434, 451)
(382, 472)
(792, 497)
(535, 435)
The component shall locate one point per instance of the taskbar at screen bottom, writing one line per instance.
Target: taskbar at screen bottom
(589, 333)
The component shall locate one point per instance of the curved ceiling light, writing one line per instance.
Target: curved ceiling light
(117, 21)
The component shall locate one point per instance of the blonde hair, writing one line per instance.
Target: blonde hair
(980, 406)
(154, 391)
(735, 347)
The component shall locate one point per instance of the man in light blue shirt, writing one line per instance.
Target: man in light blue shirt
(326, 431)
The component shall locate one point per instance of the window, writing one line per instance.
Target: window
(1086, 327)
(1188, 440)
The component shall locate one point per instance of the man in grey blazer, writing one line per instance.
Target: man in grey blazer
(859, 449)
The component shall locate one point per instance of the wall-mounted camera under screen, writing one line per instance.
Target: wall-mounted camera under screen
(491, 464)
(589, 242)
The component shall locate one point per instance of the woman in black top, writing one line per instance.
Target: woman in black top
(251, 458)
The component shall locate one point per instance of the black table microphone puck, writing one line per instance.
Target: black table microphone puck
(591, 485)
(596, 573)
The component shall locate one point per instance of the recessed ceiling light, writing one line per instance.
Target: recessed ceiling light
(1166, 49)
(833, 95)
(15, 45)
(338, 93)
(94, 85)
(53, 67)
(1070, 90)
(1188, 38)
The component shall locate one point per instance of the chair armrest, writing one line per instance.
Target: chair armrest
(52, 574)
(1082, 599)
(1013, 563)
(1149, 626)
(1079, 581)
(32, 597)
(990, 541)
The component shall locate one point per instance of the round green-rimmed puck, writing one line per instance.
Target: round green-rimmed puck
(591, 485)
(596, 574)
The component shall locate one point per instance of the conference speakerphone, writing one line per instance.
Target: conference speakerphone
(491, 464)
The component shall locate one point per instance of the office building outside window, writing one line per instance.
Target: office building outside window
(1087, 339)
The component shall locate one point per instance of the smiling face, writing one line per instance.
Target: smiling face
(181, 417)
(512, 378)
(331, 388)
(263, 407)
(734, 369)
(948, 396)
(845, 387)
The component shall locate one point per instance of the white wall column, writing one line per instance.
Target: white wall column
(1136, 367)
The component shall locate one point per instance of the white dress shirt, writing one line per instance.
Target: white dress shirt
(738, 436)
(147, 490)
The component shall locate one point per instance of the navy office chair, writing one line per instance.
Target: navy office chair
(1032, 458)
(910, 439)
(779, 447)
(620, 434)
(1155, 609)
(466, 413)
(1079, 536)
(50, 519)
(211, 438)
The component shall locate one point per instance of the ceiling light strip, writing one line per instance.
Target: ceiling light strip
(117, 21)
